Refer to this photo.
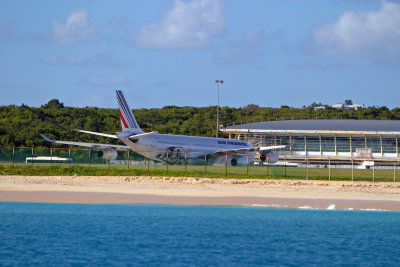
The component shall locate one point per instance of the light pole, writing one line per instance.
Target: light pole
(218, 82)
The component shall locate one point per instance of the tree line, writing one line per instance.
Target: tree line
(20, 127)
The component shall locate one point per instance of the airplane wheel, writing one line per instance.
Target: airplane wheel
(234, 162)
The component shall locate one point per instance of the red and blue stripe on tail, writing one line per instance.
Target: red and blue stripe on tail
(128, 121)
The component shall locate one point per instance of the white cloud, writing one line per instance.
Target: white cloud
(246, 51)
(355, 1)
(364, 1)
(76, 28)
(105, 60)
(371, 34)
(107, 81)
(186, 25)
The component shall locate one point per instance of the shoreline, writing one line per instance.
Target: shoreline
(120, 198)
(202, 191)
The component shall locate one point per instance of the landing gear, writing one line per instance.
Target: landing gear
(234, 162)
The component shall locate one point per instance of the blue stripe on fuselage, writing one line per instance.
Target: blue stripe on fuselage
(233, 143)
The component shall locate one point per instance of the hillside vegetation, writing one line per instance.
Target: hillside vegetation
(20, 127)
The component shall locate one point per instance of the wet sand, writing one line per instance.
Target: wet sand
(202, 191)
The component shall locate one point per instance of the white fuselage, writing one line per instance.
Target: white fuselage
(167, 147)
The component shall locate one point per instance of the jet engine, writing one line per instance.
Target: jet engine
(230, 161)
(109, 155)
(239, 161)
(269, 157)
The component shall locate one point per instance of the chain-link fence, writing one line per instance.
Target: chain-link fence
(305, 168)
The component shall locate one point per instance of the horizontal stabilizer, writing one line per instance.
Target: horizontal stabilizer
(137, 136)
(95, 133)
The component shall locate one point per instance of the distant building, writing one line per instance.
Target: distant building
(375, 139)
(339, 106)
(354, 106)
(347, 107)
(319, 107)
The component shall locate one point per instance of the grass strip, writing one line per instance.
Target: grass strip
(213, 172)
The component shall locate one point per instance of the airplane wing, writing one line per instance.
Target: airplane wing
(245, 150)
(266, 148)
(235, 151)
(91, 145)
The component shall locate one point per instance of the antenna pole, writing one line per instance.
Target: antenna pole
(218, 82)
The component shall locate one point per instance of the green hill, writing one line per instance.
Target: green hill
(20, 127)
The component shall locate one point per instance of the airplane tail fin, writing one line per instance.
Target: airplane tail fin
(128, 121)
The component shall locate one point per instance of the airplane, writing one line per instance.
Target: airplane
(176, 149)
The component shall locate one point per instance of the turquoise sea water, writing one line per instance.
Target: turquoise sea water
(158, 235)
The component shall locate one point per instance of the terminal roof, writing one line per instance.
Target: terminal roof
(323, 125)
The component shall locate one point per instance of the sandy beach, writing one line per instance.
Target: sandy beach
(202, 191)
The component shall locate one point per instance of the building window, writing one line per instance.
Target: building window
(357, 142)
(298, 143)
(343, 144)
(328, 143)
(268, 140)
(374, 142)
(283, 140)
(313, 143)
(389, 144)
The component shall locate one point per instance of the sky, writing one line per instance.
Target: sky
(161, 53)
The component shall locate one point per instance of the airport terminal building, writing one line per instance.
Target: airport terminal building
(375, 139)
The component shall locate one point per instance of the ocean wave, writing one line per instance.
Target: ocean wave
(266, 206)
(331, 207)
(373, 210)
(306, 207)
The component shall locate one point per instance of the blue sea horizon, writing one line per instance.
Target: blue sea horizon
(143, 234)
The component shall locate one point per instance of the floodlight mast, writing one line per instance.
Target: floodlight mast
(218, 82)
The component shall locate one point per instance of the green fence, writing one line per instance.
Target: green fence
(307, 168)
